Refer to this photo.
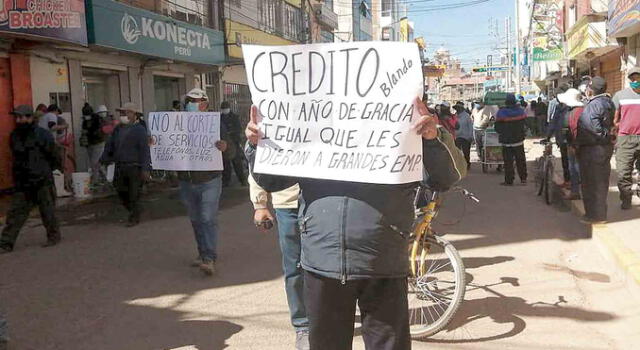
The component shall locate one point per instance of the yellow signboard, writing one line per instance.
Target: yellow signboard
(238, 34)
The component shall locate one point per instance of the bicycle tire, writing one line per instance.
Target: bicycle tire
(539, 176)
(418, 333)
(548, 181)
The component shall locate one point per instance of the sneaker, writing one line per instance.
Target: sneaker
(5, 249)
(196, 262)
(302, 340)
(589, 221)
(208, 267)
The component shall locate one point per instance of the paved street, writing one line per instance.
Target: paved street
(536, 281)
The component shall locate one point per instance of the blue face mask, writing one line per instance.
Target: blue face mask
(635, 85)
(193, 107)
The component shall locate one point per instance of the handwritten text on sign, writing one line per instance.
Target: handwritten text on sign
(185, 141)
(337, 111)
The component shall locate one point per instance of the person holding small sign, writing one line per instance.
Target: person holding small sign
(353, 246)
(200, 191)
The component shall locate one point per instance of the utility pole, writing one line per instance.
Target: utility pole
(303, 22)
(518, 70)
(507, 24)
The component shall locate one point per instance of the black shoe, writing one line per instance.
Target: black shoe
(51, 243)
(506, 184)
(5, 249)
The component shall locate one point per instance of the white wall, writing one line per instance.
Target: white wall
(235, 74)
(47, 77)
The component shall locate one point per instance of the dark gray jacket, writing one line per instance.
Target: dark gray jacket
(594, 125)
(353, 230)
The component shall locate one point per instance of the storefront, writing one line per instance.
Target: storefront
(30, 73)
(624, 26)
(145, 58)
(592, 53)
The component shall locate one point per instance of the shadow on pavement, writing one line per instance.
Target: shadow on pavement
(506, 310)
(107, 287)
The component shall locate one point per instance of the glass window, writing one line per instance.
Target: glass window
(386, 7)
(326, 36)
(190, 11)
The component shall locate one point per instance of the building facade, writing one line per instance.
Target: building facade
(354, 20)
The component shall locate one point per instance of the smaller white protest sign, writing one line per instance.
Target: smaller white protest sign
(185, 141)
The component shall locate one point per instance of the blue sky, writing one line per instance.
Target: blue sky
(464, 31)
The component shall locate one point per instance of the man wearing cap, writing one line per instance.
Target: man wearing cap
(510, 126)
(128, 148)
(35, 157)
(595, 148)
(231, 122)
(200, 191)
(627, 121)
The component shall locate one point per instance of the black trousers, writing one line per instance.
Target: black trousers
(465, 146)
(511, 154)
(21, 204)
(237, 165)
(564, 155)
(595, 170)
(128, 183)
(331, 309)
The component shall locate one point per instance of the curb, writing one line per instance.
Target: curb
(625, 259)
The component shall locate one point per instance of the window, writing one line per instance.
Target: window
(239, 97)
(292, 22)
(329, 4)
(269, 15)
(190, 11)
(572, 16)
(326, 36)
(386, 7)
(280, 18)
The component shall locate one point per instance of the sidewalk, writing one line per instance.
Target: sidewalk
(620, 237)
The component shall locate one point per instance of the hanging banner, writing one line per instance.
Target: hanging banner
(183, 141)
(62, 20)
(339, 111)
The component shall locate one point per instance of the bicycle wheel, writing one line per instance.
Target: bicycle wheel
(548, 181)
(437, 290)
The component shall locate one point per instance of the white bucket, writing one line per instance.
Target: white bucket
(81, 183)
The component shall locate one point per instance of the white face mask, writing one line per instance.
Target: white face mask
(124, 119)
(226, 110)
(193, 107)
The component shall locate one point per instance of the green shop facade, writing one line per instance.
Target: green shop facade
(136, 55)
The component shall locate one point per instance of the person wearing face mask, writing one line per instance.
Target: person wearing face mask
(200, 192)
(627, 121)
(128, 148)
(35, 156)
(234, 160)
(594, 150)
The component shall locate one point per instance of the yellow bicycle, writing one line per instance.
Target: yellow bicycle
(437, 280)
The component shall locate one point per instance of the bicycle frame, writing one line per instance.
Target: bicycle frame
(423, 229)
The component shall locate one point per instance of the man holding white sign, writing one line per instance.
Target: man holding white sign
(344, 122)
(191, 143)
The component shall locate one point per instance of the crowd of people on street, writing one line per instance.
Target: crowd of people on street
(358, 259)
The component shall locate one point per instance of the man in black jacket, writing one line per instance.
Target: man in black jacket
(510, 126)
(34, 159)
(595, 149)
(128, 148)
(352, 248)
(231, 122)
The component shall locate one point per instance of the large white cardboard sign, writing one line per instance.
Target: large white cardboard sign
(183, 141)
(339, 111)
